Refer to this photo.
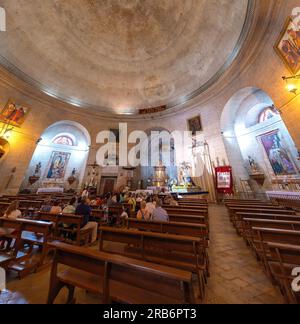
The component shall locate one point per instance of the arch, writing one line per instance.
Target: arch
(242, 133)
(44, 168)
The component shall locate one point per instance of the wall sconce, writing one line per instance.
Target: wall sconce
(6, 131)
(290, 85)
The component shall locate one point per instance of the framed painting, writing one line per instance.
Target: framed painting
(195, 125)
(14, 114)
(279, 158)
(57, 165)
(288, 44)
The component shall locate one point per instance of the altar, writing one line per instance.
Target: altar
(50, 190)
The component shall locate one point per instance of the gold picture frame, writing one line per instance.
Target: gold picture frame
(287, 46)
(14, 114)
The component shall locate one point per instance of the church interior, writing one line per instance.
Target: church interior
(150, 152)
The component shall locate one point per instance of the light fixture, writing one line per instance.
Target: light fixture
(290, 85)
(6, 130)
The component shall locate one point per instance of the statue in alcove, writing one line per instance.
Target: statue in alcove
(37, 174)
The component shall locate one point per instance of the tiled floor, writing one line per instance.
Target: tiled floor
(236, 277)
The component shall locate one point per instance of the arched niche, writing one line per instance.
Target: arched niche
(161, 151)
(60, 158)
(246, 134)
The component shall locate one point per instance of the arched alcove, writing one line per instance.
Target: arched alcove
(164, 152)
(59, 159)
(253, 129)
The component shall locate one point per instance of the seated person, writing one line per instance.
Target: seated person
(132, 202)
(167, 200)
(84, 209)
(55, 209)
(143, 213)
(70, 208)
(123, 216)
(159, 214)
(150, 206)
(12, 211)
(46, 207)
(173, 202)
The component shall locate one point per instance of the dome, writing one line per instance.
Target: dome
(123, 55)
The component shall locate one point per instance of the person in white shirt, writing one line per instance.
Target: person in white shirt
(150, 206)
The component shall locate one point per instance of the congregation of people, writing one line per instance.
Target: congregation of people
(146, 207)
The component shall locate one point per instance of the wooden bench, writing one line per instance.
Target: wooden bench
(263, 236)
(30, 233)
(189, 219)
(187, 229)
(249, 223)
(68, 225)
(285, 258)
(117, 279)
(182, 252)
(275, 211)
(239, 219)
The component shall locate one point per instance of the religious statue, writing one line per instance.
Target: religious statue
(184, 174)
(253, 165)
(38, 169)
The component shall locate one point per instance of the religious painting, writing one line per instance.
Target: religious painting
(58, 165)
(195, 125)
(280, 160)
(14, 114)
(288, 44)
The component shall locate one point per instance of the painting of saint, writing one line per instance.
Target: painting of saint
(195, 125)
(278, 156)
(58, 165)
(14, 114)
(288, 45)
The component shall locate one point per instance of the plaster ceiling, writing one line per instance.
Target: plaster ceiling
(121, 55)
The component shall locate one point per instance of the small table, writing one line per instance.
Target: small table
(8, 297)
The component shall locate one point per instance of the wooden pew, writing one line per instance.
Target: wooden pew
(186, 229)
(189, 219)
(285, 258)
(70, 224)
(256, 210)
(262, 237)
(30, 233)
(183, 252)
(117, 278)
(249, 223)
(239, 219)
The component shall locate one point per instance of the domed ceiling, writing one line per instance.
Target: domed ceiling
(121, 55)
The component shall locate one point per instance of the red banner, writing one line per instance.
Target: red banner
(224, 180)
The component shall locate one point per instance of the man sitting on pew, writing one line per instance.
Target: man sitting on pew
(159, 214)
(89, 222)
